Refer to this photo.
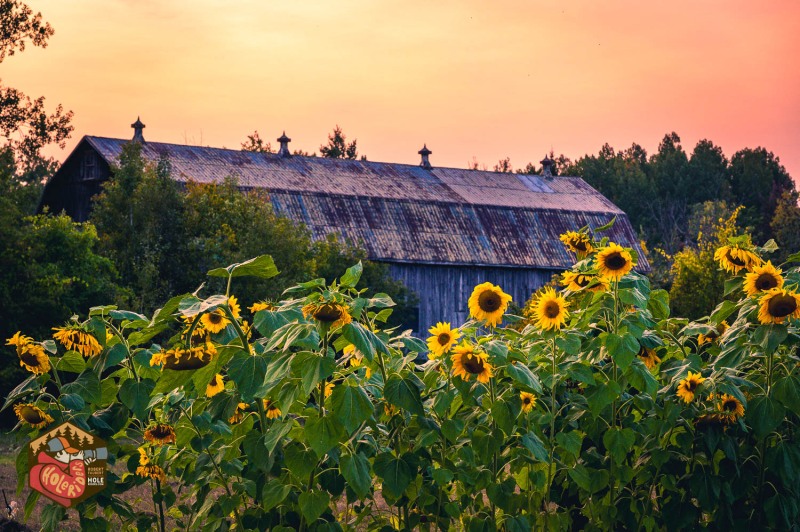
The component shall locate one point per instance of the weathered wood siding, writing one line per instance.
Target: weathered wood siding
(444, 290)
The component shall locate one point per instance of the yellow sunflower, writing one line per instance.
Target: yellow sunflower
(575, 281)
(468, 362)
(730, 408)
(442, 340)
(329, 386)
(151, 471)
(261, 305)
(762, 278)
(74, 337)
(649, 357)
(551, 310)
(578, 243)
(32, 415)
(713, 335)
(185, 359)
(528, 401)
(238, 414)
(215, 386)
(614, 262)
(199, 332)
(143, 458)
(272, 410)
(32, 356)
(488, 302)
(736, 257)
(160, 434)
(777, 305)
(215, 321)
(331, 314)
(233, 304)
(688, 386)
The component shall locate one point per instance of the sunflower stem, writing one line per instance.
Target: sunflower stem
(162, 526)
(552, 435)
(124, 341)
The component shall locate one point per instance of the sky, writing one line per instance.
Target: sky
(474, 80)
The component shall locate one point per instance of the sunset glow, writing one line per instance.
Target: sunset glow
(470, 79)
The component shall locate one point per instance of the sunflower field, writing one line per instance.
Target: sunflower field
(594, 410)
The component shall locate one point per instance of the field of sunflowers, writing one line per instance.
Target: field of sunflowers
(595, 409)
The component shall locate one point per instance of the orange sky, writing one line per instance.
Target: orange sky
(469, 78)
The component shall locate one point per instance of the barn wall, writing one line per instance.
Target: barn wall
(444, 290)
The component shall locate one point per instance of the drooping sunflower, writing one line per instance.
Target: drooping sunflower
(330, 314)
(688, 386)
(488, 302)
(185, 359)
(271, 409)
(614, 261)
(575, 281)
(238, 414)
(160, 434)
(215, 386)
(777, 305)
(75, 337)
(469, 362)
(551, 310)
(713, 335)
(649, 357)
(32, 415)
(151, 471)
(578, 243)
(528, 401)
(762, 278)
(261, 305)
(31, 355)
(736, 257)
(442, 340)
(730, 408)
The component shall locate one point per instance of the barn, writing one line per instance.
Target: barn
(441, 230)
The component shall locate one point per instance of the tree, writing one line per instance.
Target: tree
(504, 166)
(337, 147)
(709, 176)
(785, 225)
(668, 169)
(255, 143)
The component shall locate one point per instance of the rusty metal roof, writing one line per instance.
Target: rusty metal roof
(404, 213)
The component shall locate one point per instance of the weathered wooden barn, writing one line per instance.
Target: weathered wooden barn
(441, 230)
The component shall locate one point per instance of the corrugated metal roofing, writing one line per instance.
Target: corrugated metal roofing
(404, 213)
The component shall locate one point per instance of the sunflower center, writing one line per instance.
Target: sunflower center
(734, 260)
(29, 359)
(766, 281)
(582, 280)
(782, 305)
(472, 363)
(580, 245)
(691, 385)
(489, 301)
(443, 339)
(31, 416)
(328, 313)
(526, 401)
(729, 406)
(215, 318)
(615, 261)
(160, 432)
(552, 309)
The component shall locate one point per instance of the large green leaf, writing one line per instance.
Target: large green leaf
(136, 396)
(532, 442)
(171, 379)
(275, 432)
(396, 473)
(352, 275)
(365, 340)
(355, 470)
(622, 348)
(765, 414)
(787, 391)
(323, 434)
(351, 405)
(591, 481)
(313, 504)
(87, 386)
(299, 460)
(248, 372)
(262, 267)
(274, 492)
(192, 306)
(619, 442)
(71, 362)
(405, 393)
(641, 378)
(524, 377)
(312, 368)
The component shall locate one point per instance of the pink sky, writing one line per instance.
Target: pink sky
(470, 78)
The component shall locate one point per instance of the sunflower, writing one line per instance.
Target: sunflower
(233, 304)
(160, 434)
(528, 401)
(649, 357)
(550, 310)
(32, 415)
(215, 386)
(736, 257)
(688, 386)
(488, 302)
(469, 362)
(730, 408)
(76, 338)
(614, 262)
(31, 356)
(762, 278)
(214, 321)
(272, 410)
(152, 471)
(778, 304)
(331, 314)
(713, 335)
(143, 458)
(199, 332)
(261, 305)
(329, 386)
(578, 243)
(575, 281)
(185, 359)
(238, 414)
(443, 339)
(355, 358)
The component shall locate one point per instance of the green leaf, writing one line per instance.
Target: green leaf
(136, 396)
(532, 442)
(602, 396)
(787, 391)
(71, 362)
(723, 310)
(171, 379)
(312, 368)
(192, 306)
(274, 493)
(351, 405)
(262, 267)
(607, 226)
(765, 414)
(52, 515)
(395, 472)
(323, 434)
(619, 442)
(380, 300)
(581, 373)
(352, 275)
(452, 428)
(313, 504)
(248, 372)
(502, 416)
(641, 378)
(659, 304)
(571, 442)
(355, 470)
(115, 355)
(299, 460)
(591, 481)
(126, 315)
(87, 386)
(569, 343)
(365, 340)
(622, 349)
(275, 432)
(405, 393)
(632, 296)
(732, 285)
(524, 377)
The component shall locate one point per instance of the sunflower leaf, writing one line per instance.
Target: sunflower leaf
(395, 472)
(311, 368)
(248, 372)
(355, 470)
(136, 396)
(405, 393)
(87, 385)
(352, 275)
(764, 415)
(351, 405)
(262, 267)
(607, 226)
(192, 306)
(313, 504)
(22, 389)
(323, 434)
(523, 376)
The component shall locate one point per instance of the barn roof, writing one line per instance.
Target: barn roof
(406, 213)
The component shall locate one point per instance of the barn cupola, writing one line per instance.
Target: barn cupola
(547, 167)
(425, 152)
(283, 151)
(137, 130)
